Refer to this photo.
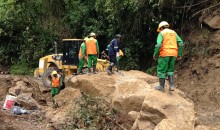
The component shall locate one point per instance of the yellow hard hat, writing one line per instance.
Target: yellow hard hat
(86, 38)
(54, 72)
(92, 34)
(163, 23)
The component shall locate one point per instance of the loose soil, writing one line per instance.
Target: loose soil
(198, 75)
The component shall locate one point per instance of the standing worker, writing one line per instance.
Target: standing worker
(113, 53)
(92, 51)
(169, 47)
(121, 54)
(82, 55)
(55, 83)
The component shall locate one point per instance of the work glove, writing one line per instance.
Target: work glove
(117, 55)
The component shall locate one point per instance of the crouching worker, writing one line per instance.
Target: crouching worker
(55, 83)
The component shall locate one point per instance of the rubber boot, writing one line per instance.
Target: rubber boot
(117, 67)
(89, 71)
(109, 69)
(79, 72)
(170, 78)
(161, 86)
(94, 69)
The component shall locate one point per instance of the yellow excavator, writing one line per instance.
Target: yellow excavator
(66, 63)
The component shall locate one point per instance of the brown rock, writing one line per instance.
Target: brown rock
(129, 94)
(26, 101)
(14, 90)
(201, 127)
(133, 114)
(21, 84)
(212, 19)
(158, 106)
(167, 124)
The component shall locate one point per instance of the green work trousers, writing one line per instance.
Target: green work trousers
(54, 91)
(92, 60)
(81, 64)
(165, 66)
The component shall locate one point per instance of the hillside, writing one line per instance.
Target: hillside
(199, 71)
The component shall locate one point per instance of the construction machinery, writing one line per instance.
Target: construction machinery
(65, 63)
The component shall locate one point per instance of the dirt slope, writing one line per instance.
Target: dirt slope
(199, 75)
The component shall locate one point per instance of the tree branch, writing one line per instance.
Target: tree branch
(205, 9)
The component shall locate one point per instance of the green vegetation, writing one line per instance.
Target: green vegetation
(94, 113)
(21, 68)
(29, 28)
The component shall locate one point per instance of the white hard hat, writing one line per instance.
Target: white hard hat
(163, 23)
(92, 34)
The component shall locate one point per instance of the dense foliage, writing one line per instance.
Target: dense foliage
(28, 28)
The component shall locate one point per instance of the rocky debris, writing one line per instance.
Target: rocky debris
(64, 103)
(134, 94)
(130, 94)
(28, 102)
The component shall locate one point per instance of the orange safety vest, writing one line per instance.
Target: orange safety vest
(91, 47)
(169, 44)
(55, 82)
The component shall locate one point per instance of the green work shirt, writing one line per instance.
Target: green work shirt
(83, 48)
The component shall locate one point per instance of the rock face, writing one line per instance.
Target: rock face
(133, 92)
(163, 110)
(212, 19)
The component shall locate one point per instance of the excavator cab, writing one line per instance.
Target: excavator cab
(70, 51)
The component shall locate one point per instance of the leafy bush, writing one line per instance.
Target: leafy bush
(21, 68)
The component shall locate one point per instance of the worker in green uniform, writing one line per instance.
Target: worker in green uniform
(82, 55)
(92, 51)
(169, 47)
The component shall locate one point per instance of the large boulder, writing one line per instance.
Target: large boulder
(21, 87)
(129, 94)
(27, 101)
(158, 106)
(212, 19)
(133, 92)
